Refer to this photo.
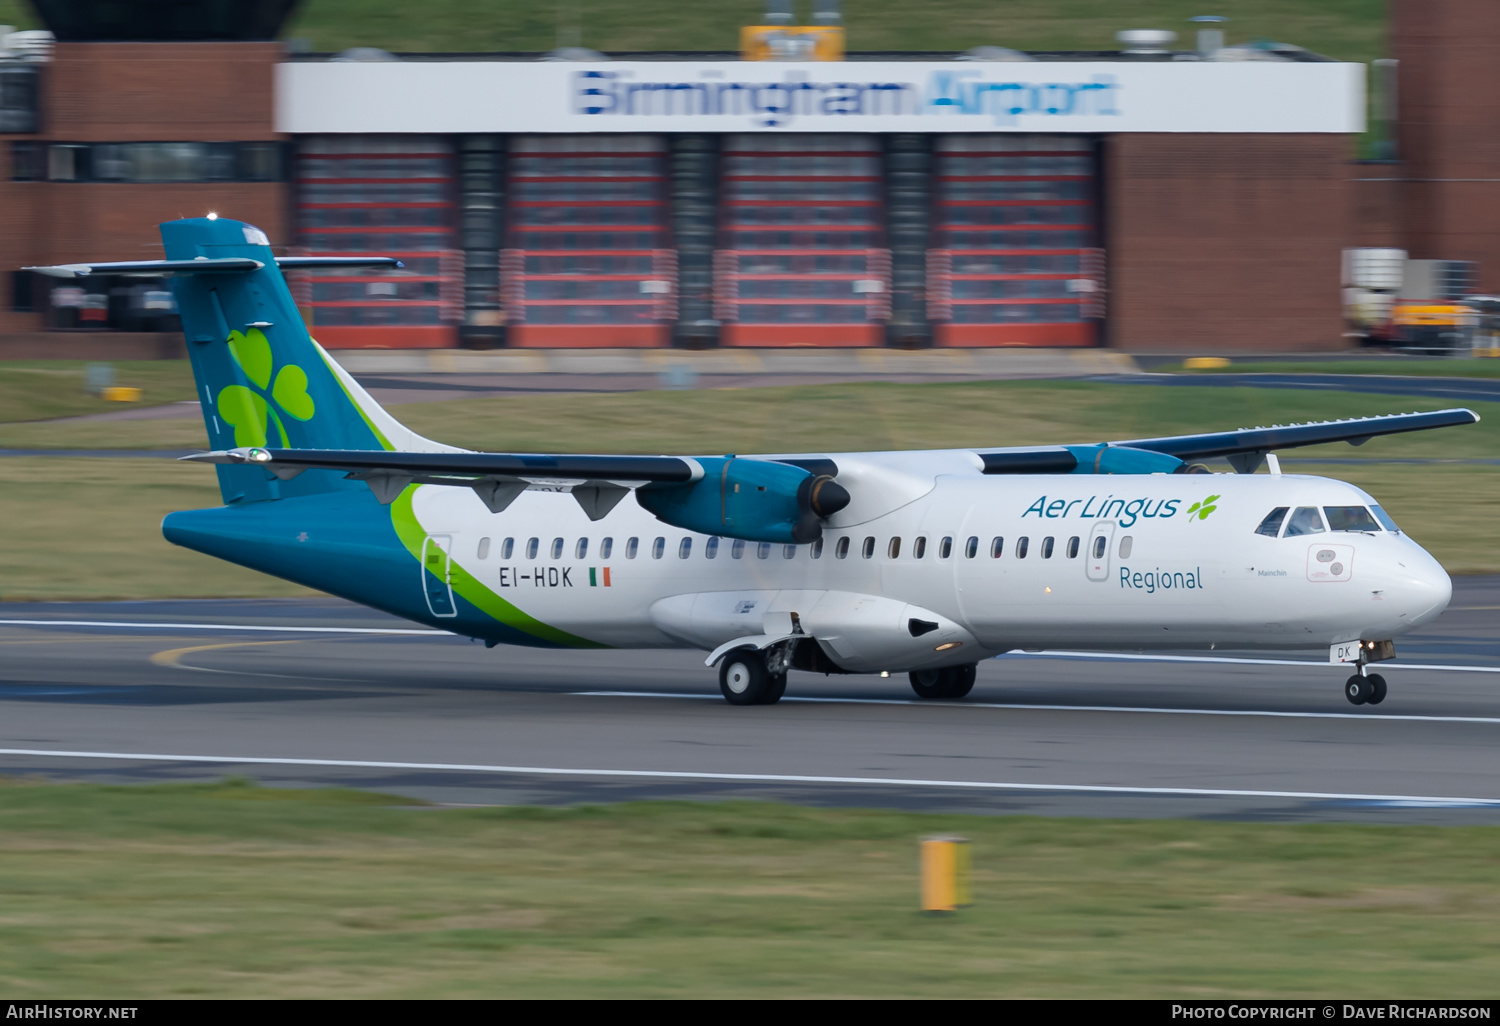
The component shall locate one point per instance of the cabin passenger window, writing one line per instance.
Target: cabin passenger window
(919, 548)
(658, 548)
(971, 548)
(606, 546)
(945, 548)
(1127, 543)
(581, 550)
(737, 550)
(1306, 520)
(1022, 544)
(1047, 547)
(532, 545)
(711, 547)
(841, 549)
(997, 548)
(1385, 520)
(1073, 547)
(632, 545)
(507, 547)
(1100, 543)
(788, 551)
(484, 548)
(867, 549)
(1350, 518)
(685, 548)
(1271, 526)
(817, 549)
(557, 547)
(763, 550)
(893, 549)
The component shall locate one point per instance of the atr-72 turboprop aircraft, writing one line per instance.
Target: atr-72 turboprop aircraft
(918, 562)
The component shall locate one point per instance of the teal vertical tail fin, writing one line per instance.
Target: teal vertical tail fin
(262, 379)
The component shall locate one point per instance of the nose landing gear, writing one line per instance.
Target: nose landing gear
(1368, 689)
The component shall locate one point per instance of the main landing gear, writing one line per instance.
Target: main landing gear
(1365, 689)
(949, 682)
(748, 677)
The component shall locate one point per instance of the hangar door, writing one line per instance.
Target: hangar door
(387, 195)
(1017, 259)
(801, 259)
(588, 261)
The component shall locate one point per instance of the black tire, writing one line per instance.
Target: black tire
(1357, 689)
(743, 678)
(929, 683)
(1377, 689)
(775, 688)
(961, 680)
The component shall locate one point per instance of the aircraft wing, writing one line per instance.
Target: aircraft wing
(1245, 448)
(782, 498)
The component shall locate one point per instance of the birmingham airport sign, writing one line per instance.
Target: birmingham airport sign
(854, 96)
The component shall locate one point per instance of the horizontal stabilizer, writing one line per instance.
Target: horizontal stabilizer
(153, 268)
(207, 265)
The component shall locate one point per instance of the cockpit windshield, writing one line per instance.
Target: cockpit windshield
(1385, 519)
(1350, 518)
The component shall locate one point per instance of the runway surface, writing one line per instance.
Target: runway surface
(310, 692)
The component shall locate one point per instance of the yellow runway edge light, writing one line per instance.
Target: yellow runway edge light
(946, 866)
(120, 394)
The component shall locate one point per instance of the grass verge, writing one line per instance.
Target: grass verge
(91, 529)
(33, 390)
(231, 890)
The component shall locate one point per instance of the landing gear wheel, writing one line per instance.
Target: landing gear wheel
(1358, 690)
(928, 683)
(949, 682)
(1377, 689)
(962, 680)
(744, 680)
(775, 688)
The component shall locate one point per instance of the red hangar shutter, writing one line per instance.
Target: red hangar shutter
(1017, 261)
(801, 259)
(387, 196)
(588, 261)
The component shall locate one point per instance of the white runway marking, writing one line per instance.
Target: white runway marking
(756, 778)
(1367, 717)
(219, 627)
(1244, 661)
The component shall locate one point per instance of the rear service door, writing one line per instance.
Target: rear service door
(437, 574)
(1100, 540)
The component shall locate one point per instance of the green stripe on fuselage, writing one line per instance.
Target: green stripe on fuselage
(470, 588)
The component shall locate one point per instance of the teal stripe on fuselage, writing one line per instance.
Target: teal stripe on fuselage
(339, 542)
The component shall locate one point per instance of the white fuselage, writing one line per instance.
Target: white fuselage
(897, 583)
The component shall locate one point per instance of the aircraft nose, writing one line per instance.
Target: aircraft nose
(1425, 589)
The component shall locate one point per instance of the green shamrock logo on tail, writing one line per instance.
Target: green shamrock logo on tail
(1203, 509)
(249, 411)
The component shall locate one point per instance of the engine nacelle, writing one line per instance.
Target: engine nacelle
(1121, 459)
(757, 500)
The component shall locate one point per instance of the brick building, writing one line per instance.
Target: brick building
(1146, 201)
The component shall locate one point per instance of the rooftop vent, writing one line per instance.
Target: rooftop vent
(1145, 41)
